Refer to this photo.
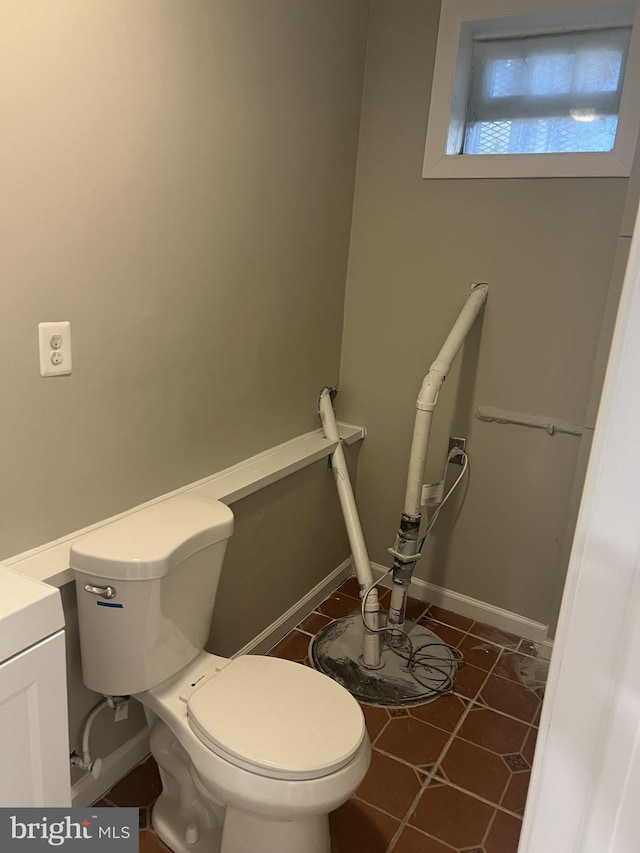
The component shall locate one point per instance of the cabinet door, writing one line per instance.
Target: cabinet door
(34, 739)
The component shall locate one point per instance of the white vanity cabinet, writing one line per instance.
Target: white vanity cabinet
(34, 739)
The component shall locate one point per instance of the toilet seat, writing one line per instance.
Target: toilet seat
(277, 718)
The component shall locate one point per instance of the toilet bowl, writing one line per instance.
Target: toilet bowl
(277, 774)
(254, 752)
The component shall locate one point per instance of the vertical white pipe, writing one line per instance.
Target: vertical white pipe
(417, 461)
(372, 638)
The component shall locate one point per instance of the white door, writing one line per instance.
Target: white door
(585, 786)
(34, 738)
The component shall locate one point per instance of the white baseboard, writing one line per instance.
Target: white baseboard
(295, 614)
(50, 562)
(88, 790)
(472, 608)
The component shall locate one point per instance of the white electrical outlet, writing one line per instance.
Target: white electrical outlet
(55, 348)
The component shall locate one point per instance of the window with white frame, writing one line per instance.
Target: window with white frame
(540, 94)
(546, 93)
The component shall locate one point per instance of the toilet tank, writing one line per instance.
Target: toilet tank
(146, 587)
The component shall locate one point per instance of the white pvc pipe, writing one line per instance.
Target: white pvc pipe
(406, 549)
(545, 422)
(357, 544)
(428, 395)
(371, 640)
(417, 461)
(372, 637)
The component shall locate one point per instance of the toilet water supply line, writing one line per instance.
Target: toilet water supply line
(118, 704)
(372, 639)
(406, 549)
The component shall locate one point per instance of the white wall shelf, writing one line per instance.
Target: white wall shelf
(50, 562)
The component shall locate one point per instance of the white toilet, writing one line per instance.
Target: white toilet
(254, 752)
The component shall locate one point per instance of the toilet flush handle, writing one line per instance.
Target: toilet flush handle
(102, 591)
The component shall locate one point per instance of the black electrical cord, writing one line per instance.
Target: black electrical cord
(440, 671)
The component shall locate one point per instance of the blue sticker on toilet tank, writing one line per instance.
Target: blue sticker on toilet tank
(108, 604)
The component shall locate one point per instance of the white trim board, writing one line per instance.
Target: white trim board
(87, 790)
(472, 608)
(50, 562)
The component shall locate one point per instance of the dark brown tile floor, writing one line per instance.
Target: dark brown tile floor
(447, 777)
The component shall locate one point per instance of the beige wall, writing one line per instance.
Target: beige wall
(286, 539)
(176, 180)
(546, 248)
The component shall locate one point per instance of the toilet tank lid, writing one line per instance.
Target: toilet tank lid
(150, 542)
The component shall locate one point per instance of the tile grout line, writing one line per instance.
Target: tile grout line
(377, 808)
(489, 827)
(427, 836)
(460, 723)
(480, 799)
(405, 820)
(527, 723)
(430, 776)
(377, 737)
(403, 761)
